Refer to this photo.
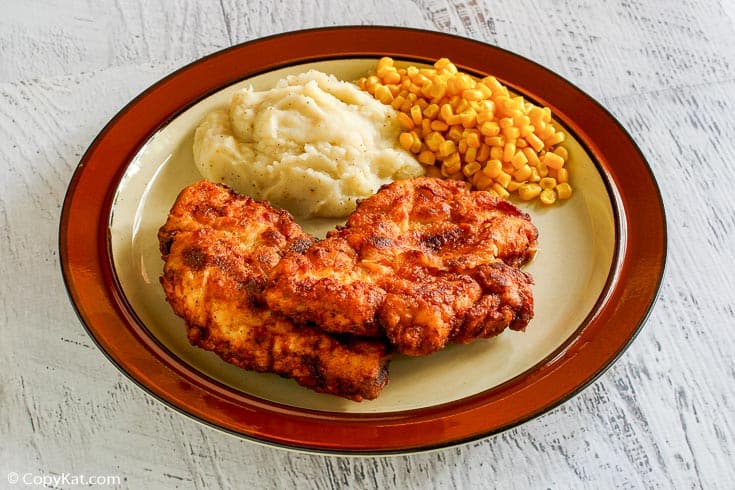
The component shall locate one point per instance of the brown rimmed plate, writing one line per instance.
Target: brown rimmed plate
(597, 274)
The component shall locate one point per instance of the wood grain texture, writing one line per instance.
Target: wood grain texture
(661, 417)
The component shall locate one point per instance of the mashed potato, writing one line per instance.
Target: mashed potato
(312, 145)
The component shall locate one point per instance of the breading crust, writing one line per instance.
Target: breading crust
(413, 262)
(218, 249)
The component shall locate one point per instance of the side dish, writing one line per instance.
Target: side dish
(474, 130)
(313, 145)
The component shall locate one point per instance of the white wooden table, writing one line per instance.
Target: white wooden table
(663, 416)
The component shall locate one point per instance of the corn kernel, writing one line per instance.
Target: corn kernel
(493, 168)
(382, 93)
(547, 196)
(503, 179)
(547, 183)
(454, 133)
(485, 90)
(526, 130)
(492, 83)
(471, 168)
(473, 140)
(495, 140)
(501, 192)
(536, 114)
(427, 157)
(508, 151)
(505, 122)
(552, 160)
(514, 185)
(535, 177)
(384, 61)
(425, 127)
(481, 181)
(532, 156)
(417, 145)
(391, 76)
(446, 148)
(452, 163)
(371, 83)
(405, 120)
(473, 94)
(437, 125)
(543, 130)
(433, 140)
(519, 160)
(416, 115)
(529, 191)
(521, 120)
(564, 190)
(522, 173)
(468, 118)
(470, 155)
(511, 133)
(437, 91)
(496, 152)
(536, 143)
(547, 114)
(483, 153)
(431, 111)
(398, 102)
(562, 175)
(454, 120)
(562, 152)
(406, 140)
(489, 128)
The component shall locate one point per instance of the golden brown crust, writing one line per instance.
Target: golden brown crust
(415, 262)
(219, 248)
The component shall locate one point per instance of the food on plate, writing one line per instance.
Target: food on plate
(424, 262)
(474, 130)
(421, 261)
(313, 145)
(219, 248)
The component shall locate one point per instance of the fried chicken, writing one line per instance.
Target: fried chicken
(219, 249)
(424, 261)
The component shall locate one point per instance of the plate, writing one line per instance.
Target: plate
(597, 274)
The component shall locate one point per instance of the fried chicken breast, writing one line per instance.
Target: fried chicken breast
(424, 261)
(219, 249)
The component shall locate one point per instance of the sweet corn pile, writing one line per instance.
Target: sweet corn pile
(474, 130)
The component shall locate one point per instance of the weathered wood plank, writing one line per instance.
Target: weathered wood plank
(660, 418)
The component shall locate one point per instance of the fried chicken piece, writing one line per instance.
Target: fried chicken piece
(424, 261)
(440, 224)
(219, 248)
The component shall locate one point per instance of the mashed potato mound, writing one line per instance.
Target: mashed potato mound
(313, 145)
